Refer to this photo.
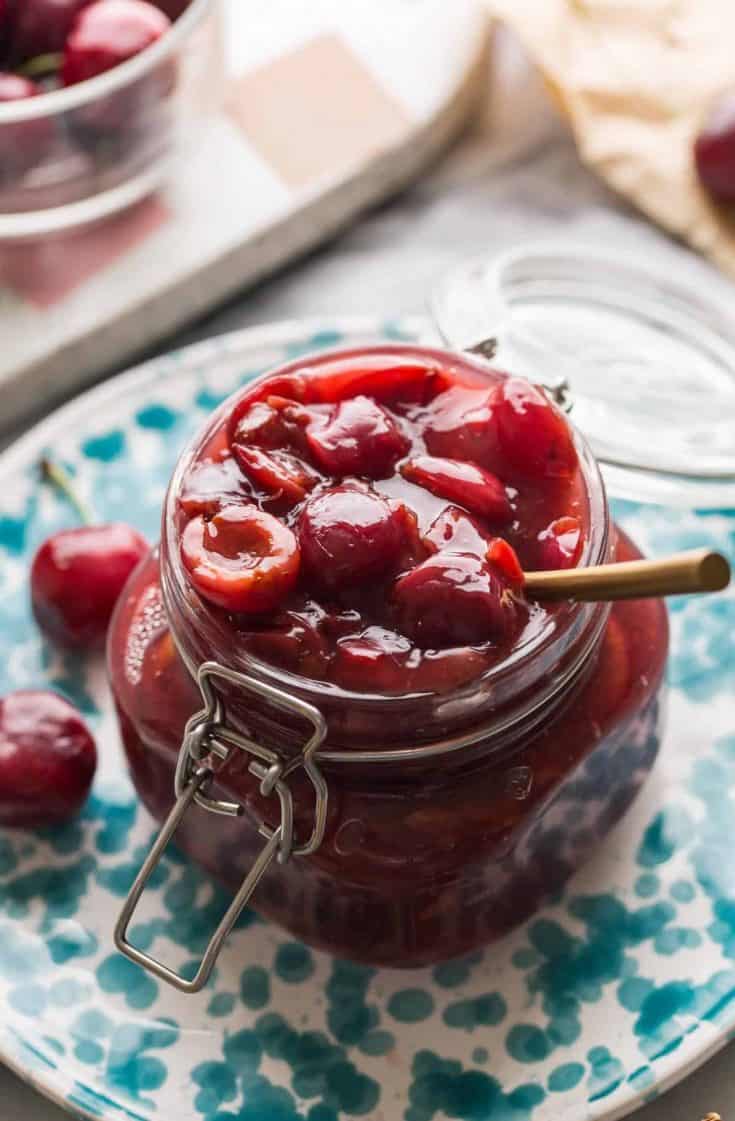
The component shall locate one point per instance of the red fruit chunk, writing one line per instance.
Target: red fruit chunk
(560, 544)
(453, 599)
(243, 559)
(47, 760)
(373, 662)
(454, 531)
(349, 536)
(359, 438)
(279, 473)
(260, 424)
(714, 150)
(413, 547)
(210, 484)
(41, 26)
(294, 642)
(107, 33)
(276, 422)
(533, 436)
(23, 144)
(503, 558)
(464, 483)
(438, 671)
(77, 577)
(460, 424)
(383, 377)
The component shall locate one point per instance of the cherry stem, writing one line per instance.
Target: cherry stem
(41, 65)
(56, 475)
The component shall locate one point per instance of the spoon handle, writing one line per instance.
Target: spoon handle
(700, 570)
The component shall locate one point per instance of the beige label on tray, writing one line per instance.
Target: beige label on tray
(316, 112)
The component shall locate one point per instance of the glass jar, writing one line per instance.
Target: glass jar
(76, 155)
(397, 829)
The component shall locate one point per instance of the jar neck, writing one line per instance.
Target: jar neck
(496, 710)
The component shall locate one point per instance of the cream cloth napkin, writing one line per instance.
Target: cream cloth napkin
(634, 78)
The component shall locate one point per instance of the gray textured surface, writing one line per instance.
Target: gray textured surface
(528, 185)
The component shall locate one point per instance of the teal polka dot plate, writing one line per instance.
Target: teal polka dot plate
(619, 987)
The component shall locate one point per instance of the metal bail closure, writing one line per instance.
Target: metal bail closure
(208, 744)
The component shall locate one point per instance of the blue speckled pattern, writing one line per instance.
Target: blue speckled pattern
(613, 991)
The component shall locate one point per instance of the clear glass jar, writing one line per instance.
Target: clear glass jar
(77, 155)
(440, 835)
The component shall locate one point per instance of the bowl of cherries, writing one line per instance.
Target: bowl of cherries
(95, 97)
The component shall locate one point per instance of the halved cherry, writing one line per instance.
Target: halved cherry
(274, 422)
(453, 599)
(385, 377)
(504, 559)
(456, 531)
(260, 424)
(242, 559)
(212, 483)
(272, 391)
(348, 536)
(464, 483)
(278, 472)
(359, 438)
(460, 424)
(533, 436)
(560, 544)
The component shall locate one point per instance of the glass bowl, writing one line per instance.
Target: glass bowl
(80, 154)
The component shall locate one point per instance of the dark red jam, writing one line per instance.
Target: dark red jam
(366, 524)
(354, 529)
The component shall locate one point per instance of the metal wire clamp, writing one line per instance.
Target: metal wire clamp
(208, 744)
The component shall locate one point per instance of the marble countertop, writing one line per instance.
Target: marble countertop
(527, 184)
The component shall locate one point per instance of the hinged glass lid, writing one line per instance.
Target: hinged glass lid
(650, 365)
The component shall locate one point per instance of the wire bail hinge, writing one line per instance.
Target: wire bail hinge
(208, 744)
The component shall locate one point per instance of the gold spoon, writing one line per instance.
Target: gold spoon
(700, 570)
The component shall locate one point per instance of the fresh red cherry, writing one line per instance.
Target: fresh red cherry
(455, 531)
(242, 559)
(359, 438)
(107, 33)
(533, 437)
(279, 473)
(47, 760)
(560, 544)
(23, 144)
(349, 536)
(453, 599)
(76, 579)
(464, 483)
(460, 424)
(714, 150)
(41, 26)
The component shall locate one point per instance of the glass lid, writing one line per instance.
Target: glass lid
(648, 366)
